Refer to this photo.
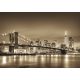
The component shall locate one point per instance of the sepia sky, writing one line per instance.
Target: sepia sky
(41, 25)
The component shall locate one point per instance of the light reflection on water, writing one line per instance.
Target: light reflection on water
(14, 58)
(66, 61)
(4, 61)
(60, 61)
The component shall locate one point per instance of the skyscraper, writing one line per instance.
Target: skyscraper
(71, 42)
(66, 40)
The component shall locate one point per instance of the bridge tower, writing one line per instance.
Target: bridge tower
(13, 37)
(16, 39)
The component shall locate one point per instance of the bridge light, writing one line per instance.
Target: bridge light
(3, 42)
(24, 40)
(5, 34)
(56, 56)
(13, 31)
(2, 34)
(6, 49)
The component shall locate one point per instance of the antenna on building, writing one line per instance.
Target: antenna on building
(66, 33)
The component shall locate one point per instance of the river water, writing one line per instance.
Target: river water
(40, 61)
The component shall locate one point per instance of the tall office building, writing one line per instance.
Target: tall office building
(71, 42)
(66, 40)
(45, 43)
(53, 45)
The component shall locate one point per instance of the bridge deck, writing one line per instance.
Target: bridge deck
(24, 45)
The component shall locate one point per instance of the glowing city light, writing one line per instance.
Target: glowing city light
(66, 32)
(3, 42)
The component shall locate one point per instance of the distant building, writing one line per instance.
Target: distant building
(31, 43)
(71, 42)
(45, 43)
(48, 45)
(53, 45)
(63, 46)
(66, 40)
(38, 43)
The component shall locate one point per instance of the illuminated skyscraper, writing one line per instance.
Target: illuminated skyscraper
(66, 40)
(71, 42)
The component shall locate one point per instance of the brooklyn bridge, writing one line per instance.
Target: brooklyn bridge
(18, 44)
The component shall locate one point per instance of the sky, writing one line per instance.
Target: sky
(41, 25)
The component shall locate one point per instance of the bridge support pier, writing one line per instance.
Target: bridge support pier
(11, 49)
(13, 37)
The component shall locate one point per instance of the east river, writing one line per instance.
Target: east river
(40, 61)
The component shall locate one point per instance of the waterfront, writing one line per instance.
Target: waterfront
(41, 61)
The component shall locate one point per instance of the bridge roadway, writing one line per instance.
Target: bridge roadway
(63, 51)
(25, 45)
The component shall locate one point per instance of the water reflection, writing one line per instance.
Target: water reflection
(66, 61)
(4, 60)
(14, 58)
(40, 61)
